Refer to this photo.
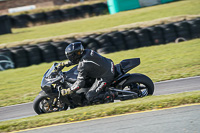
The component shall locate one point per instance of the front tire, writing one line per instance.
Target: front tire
(45, 104)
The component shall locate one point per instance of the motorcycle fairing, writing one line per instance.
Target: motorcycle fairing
(128, 64)
(118, 82)
(48, 79)
(71, 75)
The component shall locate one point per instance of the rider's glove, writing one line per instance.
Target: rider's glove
(68, 63)
(63, 64)
(66, 91)
(60, 66)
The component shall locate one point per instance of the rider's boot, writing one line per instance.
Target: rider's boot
(109, 97)
(104, 97)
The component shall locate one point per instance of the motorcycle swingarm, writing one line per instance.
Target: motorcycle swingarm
(124, 95)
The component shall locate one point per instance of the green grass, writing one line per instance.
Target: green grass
(183, 7)
(96, 111)
(161, 62)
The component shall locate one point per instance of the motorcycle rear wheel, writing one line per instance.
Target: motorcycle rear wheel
(140, 84)
(45, 104)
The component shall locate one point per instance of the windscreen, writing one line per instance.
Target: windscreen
(51, 70)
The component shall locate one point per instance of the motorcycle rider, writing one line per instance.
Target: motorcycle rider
(90, 64)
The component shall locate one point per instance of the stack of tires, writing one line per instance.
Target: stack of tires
(105, 43)
(89, 42)
(134, 38)
(34, 54)
(5, 26)
(48, 52)
(6, 52)
(59, 48)
(99, 9)
(157, 35)
(69, 14)
(6, 59)
(144, 37)
(117, 39)
(38, 18)
(20, 57)
(54, 16)
(24, 20)
(85, 10)
(195, 28)
(183, 30)
(20, 21)
(170, 34)
(131, 39)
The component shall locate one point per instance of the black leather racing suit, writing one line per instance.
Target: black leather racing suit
(95, 66)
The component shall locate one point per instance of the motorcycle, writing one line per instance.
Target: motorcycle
(125, 86)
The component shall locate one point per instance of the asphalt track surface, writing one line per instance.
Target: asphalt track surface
(184, 119)
(161, 88)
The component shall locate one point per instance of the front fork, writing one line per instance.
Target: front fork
(62, 98)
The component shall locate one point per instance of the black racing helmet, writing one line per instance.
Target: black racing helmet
(74, 52)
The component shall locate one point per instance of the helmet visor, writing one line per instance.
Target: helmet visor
(70, 56)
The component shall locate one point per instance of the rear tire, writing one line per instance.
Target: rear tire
(140, 79)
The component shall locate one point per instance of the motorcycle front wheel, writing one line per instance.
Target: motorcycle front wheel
(45, 104)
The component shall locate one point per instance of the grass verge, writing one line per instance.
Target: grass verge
(163, 62)
(96, 111)
(183, 7)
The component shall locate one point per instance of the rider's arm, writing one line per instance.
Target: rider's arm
(80, 79)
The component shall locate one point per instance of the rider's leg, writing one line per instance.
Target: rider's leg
(96, 89)
(100, 91)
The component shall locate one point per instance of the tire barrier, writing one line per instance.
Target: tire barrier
(99, 9)
(48, 52)
(20, 21)
(104, 40)
(170, 34)
(53, 16)
(69, 14)
(131, 39)
(20, 57)
(85, 10)
(6, 59)
(180, 39)
(105, 43)
(183, 30)
(5, 26)
(157, 35)
(89, 42)
(144, 37)
(37, 18)
(34, 54)
(25, 20)
(59, 48)
(106, 50)
(195, 27)
(6, 52)
(117, 39)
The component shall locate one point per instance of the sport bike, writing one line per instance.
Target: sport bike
(124, 86)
